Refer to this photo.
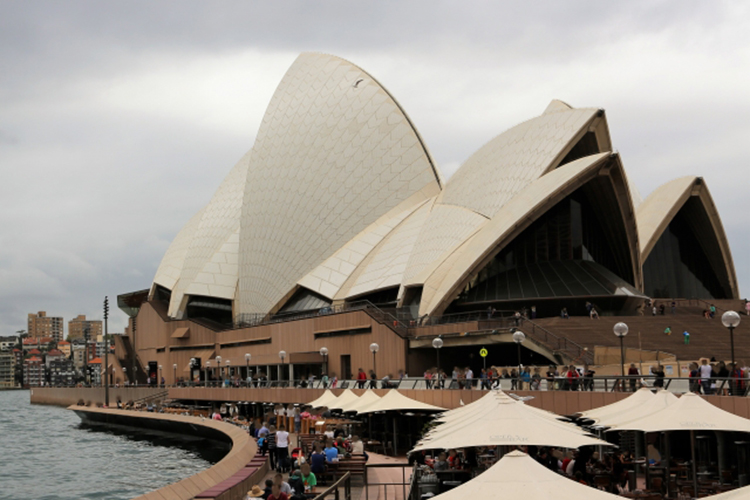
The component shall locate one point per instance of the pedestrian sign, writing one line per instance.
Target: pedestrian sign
(483, 352)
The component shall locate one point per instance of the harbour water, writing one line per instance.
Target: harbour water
(46, 453)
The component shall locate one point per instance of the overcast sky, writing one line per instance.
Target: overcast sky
(118, 120)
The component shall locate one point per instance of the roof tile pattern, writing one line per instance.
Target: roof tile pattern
(514, 159)
(218, 222)
(334, 153)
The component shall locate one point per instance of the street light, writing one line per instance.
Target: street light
(518, 338)
(282, 355)
(621, 329)
(437, 343)
(229, 369)
(247, 364)
(208, 365)
(731, 319)
(374, 349)
(324, 353)
(124, 375)
(218, 369)
(174, 372)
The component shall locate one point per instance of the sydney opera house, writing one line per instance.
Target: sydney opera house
(337, 230)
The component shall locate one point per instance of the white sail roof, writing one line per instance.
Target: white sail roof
(323, 400)
(634, 400)
(395, 401)
(689, 412)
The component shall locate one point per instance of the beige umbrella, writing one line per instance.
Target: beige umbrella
(738, 494)
(661, 400)
(345, 398)
(323, 400)
(517, 475)
(395, 401)
(507, 423)
(367, 398)
(638, 398)
(489, 400)
(689, 413)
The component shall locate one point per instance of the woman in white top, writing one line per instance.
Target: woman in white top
(282, 449)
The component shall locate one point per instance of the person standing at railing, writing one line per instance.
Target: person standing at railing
(428, 378)
(658, 372)
(705, 371)
(633, 374)
(361, 378)
(373, 380)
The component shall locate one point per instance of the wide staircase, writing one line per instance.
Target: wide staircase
(125, 353)
(708, 337)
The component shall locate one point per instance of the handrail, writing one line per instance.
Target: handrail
(346, 480)
(403, 483)
(582, 352)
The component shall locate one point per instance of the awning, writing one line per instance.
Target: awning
(369, 397)
(323, 400)
(661, 400)
(395, 401)
(519, 476)
(345, 398)
(636, 399)
(181, 333)
(690, 412)
(502, 421)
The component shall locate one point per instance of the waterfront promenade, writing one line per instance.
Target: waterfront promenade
(242, 452)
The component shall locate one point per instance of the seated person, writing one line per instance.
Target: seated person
(441, 463)
(332, 453)
(308, 478)
(276, 493)
(284, 487)
(318, 460)
(267, 489)
(454, 461)
(358, 447)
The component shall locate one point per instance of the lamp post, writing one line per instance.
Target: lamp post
(621, 329)
(229, 369)
(324, 353)
(374, 349)
(174, 373)
(218, 370)
(282, 355)
(518, 338)
(731, 319)
(437, 343)
(106, 352)
(193, 367)
(124, 375)
(208, 366)
(247, 365)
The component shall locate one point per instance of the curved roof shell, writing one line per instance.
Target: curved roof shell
(334, 153)
(662, 205)
(340, 198)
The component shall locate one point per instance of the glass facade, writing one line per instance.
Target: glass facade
(565, 253)
(678, 265)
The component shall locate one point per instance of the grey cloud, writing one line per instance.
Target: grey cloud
(95, 186)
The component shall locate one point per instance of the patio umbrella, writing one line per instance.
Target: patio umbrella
(367, 398)
(738, 494)
(638, 398)
(395, 401)
(689, 413)
(323, 400)
(489, 400)
(507, 423)
(517, 475)
(345, 398)
(660, 401)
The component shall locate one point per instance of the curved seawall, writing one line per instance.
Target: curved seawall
(242, 452)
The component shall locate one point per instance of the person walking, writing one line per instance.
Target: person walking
(282, 449)
(705, 371)
(686, 337)
(361, 378)
(373, 380)
(668, 331)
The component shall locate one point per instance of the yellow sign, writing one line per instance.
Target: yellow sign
(483, 352)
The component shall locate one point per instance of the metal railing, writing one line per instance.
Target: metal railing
(574, 350)
(613, 383)
(334, 489)
(406, 486)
